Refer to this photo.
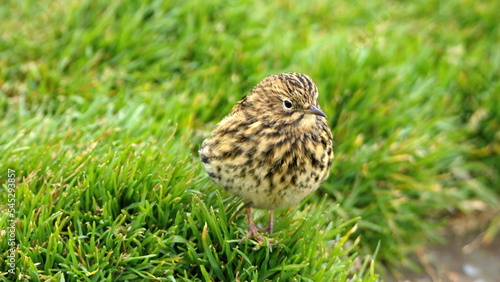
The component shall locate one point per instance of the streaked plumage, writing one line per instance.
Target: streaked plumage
(275, 146)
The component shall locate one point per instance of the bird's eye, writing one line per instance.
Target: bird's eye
(287, 104)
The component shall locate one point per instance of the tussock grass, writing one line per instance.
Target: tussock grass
(103, 106)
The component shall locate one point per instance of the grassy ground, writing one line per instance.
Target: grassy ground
(103, 106)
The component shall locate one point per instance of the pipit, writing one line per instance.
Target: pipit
(274, 148)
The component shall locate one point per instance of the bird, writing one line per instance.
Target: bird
(273, 149)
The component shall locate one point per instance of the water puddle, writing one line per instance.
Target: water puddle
(465, 256)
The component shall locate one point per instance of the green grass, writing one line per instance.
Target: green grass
(103, 106)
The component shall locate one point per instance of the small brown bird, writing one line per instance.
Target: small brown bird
(274, 148)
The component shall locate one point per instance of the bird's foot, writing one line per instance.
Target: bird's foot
(269, 229)
(253, 232)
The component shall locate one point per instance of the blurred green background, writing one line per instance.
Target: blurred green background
(104, 104)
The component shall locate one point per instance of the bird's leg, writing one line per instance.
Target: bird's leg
(253, 232)
(252, 229)
(270, 226)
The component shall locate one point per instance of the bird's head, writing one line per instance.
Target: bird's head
(288, 97)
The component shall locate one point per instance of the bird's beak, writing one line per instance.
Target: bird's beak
(314, 111)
